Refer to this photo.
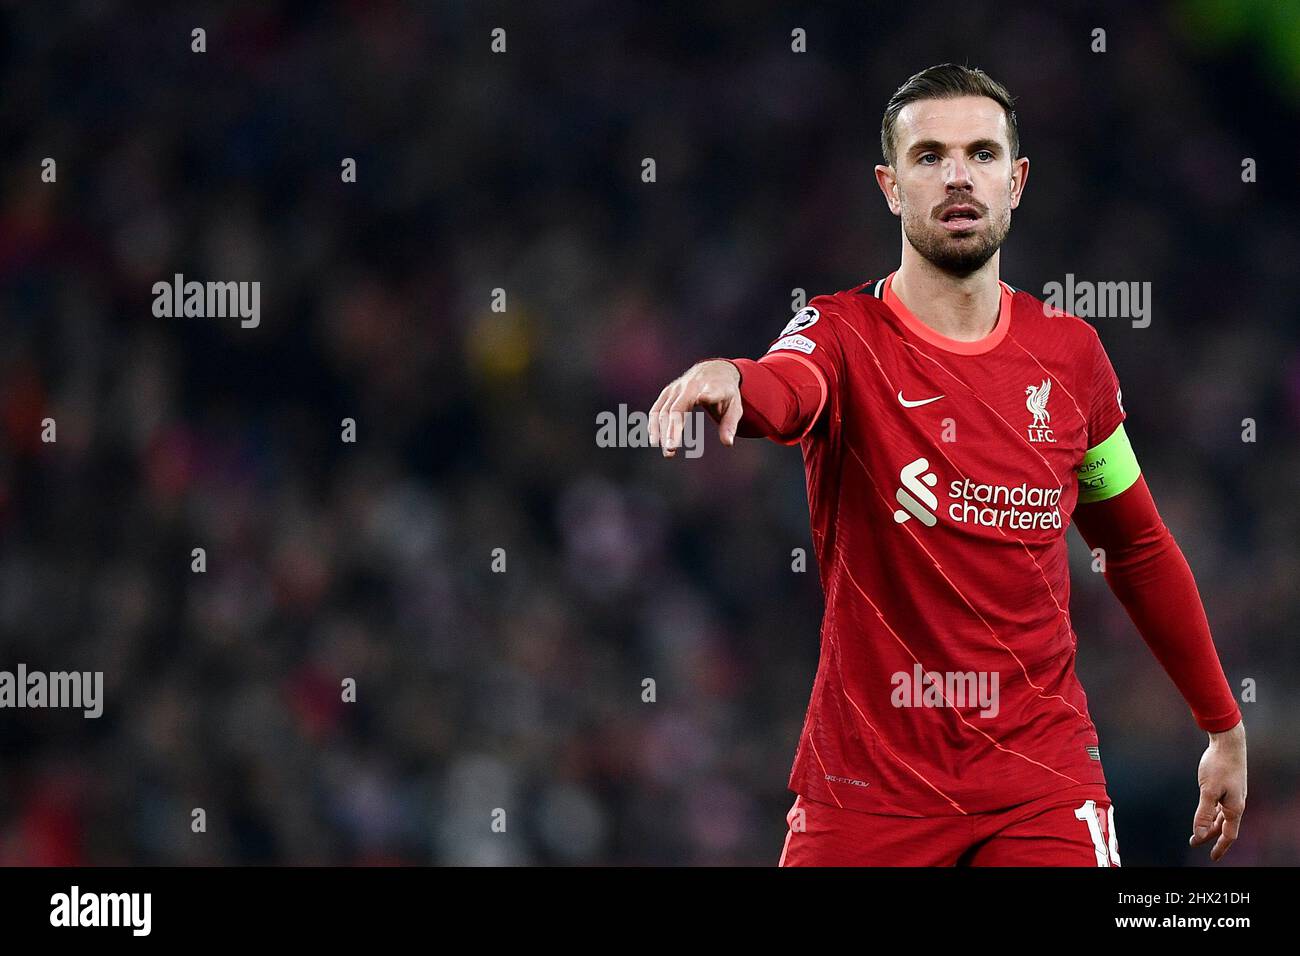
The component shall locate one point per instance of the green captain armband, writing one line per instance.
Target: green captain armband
(1107, 470)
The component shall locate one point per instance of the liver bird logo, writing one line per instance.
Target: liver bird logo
(1036, 402)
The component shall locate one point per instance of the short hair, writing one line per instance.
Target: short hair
(943, 82)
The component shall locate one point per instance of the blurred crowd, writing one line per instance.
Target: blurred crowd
(500, 713)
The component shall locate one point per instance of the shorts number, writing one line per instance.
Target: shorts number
(1088, 814)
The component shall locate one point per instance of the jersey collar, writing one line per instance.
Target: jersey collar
(991, 341)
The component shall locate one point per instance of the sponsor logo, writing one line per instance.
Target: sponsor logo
(1029, 507)
(912, 476)
(803, 319)
(917, 404)
(1036, 397)
(797, 343)
(1021, 507)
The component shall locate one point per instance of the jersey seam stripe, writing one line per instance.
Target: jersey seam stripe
(829, 788)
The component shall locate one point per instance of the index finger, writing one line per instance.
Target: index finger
(654, 413)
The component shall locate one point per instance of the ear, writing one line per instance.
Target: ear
(1019, 176)
(888, 183)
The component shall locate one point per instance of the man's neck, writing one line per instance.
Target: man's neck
(965, 309)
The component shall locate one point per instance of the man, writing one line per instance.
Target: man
(951, 428)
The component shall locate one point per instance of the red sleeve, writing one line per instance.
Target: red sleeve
(1147, 571)
(1105, 408)
(782, 395)
(797, 383)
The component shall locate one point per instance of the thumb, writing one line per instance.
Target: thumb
(730, 421)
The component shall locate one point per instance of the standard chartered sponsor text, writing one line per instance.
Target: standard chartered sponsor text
(1027, 507)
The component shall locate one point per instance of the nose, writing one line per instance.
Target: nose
(956, 174)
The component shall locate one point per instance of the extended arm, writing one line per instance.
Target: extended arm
(1149, 575)
(780, 396)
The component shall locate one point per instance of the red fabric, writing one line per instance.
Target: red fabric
(938, 504)
(919, 328)
(1147, 571)
(941, 481)
(780, 397)
(1060, 829)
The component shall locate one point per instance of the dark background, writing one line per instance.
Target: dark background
(476, 429)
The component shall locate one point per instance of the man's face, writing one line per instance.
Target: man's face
(953, 182)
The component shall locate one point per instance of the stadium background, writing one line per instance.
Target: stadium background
(476, 429)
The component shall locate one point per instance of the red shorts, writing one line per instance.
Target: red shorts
(1072, 827)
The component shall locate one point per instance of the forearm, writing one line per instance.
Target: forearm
(782, 397)
(1149, 574)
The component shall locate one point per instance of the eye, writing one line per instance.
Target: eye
(988, 156)
(924, 156)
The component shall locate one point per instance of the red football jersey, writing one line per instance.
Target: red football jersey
(941, 480)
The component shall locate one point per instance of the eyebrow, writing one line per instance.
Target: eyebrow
(933, 145)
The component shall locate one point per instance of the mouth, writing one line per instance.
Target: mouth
(959, 218)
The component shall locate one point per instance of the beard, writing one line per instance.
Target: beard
(958, 255)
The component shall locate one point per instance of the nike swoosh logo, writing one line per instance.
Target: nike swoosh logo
(925, 401)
